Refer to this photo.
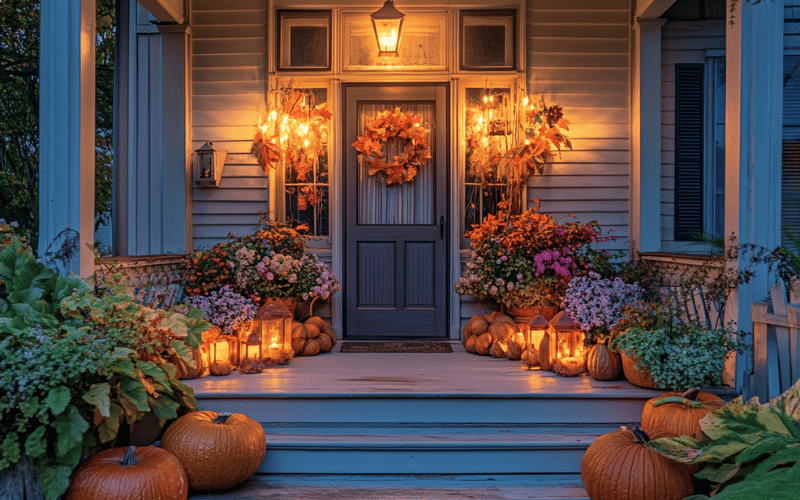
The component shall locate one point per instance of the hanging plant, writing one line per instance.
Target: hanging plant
(295, 132)
(390, 125)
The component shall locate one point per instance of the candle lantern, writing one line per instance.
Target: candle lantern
(569, 336)
(220, 357)
(251, 354)
(569, 360)
(276, 332)
(534, 333)
(208, 165)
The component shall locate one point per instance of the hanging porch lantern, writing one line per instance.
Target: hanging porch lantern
(208, 165)
(388, 25)
(276, 332)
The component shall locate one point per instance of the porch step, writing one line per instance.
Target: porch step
(400, 487)
(418, 449)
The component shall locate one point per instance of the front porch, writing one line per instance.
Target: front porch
(414, 426)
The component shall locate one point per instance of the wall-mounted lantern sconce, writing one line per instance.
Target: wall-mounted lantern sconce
(208, 165)
(388, 25)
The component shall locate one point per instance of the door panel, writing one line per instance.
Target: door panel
(395, 248)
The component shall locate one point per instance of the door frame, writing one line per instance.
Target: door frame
(339, 243)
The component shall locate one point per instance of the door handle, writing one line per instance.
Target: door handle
(441, 227)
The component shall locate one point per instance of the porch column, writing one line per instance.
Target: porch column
(153, 191)
(753, 129)
(67, 128)
(646, 138)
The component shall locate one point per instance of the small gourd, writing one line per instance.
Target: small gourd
(603, 363)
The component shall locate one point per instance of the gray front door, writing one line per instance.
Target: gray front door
(395, 236)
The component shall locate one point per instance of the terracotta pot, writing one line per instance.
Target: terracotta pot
(636, 375)
(524, 315)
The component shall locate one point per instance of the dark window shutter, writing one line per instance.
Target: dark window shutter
(688, 150)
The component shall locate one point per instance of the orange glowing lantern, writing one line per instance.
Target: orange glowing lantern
(251, 354)
(387, 22)
(569, 336)
(276, 332)
(220, 357)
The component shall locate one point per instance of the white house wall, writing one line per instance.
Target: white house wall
(579, 57)
(229, 68)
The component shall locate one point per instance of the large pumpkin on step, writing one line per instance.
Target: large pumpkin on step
(678, 414)
(218, 450)
(617, 466)
(132, 473)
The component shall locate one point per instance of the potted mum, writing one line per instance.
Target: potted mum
(270, 263)
(526, 260)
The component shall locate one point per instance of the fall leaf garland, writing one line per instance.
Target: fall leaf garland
(394, 125)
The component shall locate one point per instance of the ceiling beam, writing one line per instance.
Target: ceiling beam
(651, 9)
(166, 11)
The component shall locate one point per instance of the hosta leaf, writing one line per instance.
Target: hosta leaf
(124, 366)
(778, 484)
(769, 445)
(182, 350)
(720, 450)
(718, 474)
(787, 456)
(98, 396)
(681, 449)
(57, 399)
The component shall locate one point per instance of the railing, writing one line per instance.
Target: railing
(776, 343)
(155, 279)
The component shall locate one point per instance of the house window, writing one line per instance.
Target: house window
(306, 183)
(699, 202)
(482, 189)
(790, 178)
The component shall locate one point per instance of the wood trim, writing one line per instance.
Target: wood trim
(166, 11)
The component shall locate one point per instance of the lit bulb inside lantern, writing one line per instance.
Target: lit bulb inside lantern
(274, 115)
(525, 101)
(274, 349)
(485, 98)
(306, 143)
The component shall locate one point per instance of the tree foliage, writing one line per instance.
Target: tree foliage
(19, 112)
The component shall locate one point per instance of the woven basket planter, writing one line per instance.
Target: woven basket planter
(635, 375)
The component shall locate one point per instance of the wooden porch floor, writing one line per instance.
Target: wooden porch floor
(458, 372)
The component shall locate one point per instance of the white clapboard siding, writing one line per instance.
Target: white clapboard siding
(229, 58)
(681, 42)
(578, 53)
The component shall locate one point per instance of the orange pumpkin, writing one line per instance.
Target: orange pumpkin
(218, 450)
(129, 474)
(602, 363)
(617, 466)
(676, 414)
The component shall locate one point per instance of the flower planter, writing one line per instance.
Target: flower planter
(524, 315)
(636, 375)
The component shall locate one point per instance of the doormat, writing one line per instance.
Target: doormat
(396, 347)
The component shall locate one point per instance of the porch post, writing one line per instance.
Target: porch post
(646, 138)
(67, 128)
(753, 129)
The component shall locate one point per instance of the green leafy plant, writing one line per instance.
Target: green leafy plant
(747, 450)
(80, 360)
(681, 356)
